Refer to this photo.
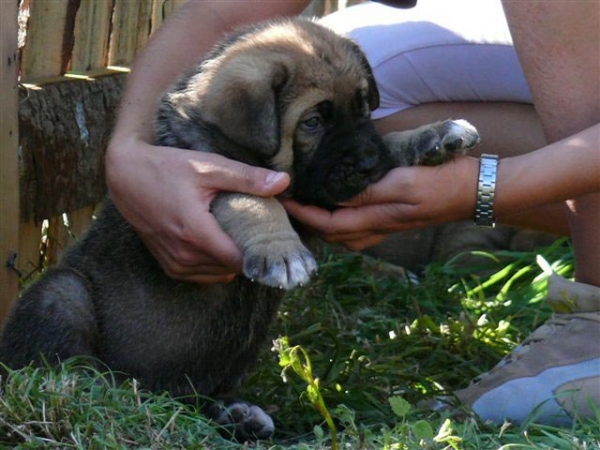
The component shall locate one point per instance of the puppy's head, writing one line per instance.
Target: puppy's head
(289, 95)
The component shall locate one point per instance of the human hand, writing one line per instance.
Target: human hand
(165, 194)
(407, 197)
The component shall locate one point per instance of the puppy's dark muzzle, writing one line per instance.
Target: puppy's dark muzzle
(366, 156)
(343, 166)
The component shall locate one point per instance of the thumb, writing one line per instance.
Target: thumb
(273, 183)
(224, 174)
(255, 180)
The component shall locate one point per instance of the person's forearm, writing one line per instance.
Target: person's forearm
(180, 43)
(564, 170)
(549, 219)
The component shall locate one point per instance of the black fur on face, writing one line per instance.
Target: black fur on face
(343, 165)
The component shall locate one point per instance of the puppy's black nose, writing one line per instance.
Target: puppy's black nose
(368, 163)
(362, 153)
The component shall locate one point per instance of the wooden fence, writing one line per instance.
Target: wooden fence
(70, 58)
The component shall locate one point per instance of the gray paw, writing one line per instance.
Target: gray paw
(446, 140)
(284, 265)
(245, 421)
(459, 136)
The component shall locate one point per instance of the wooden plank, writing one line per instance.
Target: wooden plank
(122, 38)
(29, 259)
(144, 26)
(65, 129)
(58, 239)
(65, 229)
(130, 29)
(43, 52)
(158, 14)
(9, 142)
(161, 9)
(92, 28)
(39, 83)
(80, 220)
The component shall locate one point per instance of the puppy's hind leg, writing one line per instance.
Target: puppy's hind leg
(53, 320)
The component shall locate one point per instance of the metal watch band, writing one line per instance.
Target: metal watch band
(486, 187)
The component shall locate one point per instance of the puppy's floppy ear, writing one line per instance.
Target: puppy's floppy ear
(373, 92)
(242, 101)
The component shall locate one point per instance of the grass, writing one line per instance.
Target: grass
(355, 352)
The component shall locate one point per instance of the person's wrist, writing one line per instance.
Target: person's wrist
(463, 172)
(121, 156)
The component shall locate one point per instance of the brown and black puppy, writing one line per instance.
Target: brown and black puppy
(288, 95)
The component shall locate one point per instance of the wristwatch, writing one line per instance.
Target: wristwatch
(486, 187)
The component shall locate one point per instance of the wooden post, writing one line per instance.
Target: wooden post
(9, 141)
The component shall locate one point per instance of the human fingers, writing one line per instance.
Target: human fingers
(421, 188)
(353, 240)
(394, 187)
(346, 222)
(209, 279)
(223, 174)
(201, 274)
(208, 273)
(183, 261)
(186, 264)
(205, 272)
(200, 248)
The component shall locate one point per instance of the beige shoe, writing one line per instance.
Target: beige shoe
(555, 372)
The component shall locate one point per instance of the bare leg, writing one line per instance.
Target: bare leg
(506, 129)
(562, 65)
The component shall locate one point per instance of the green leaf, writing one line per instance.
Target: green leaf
(319, 433)
(422, 430)
(400, 406)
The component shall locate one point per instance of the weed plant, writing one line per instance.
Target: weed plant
(355, 355)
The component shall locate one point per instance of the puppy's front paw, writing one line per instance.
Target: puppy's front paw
(244, 421)
(458, 136)
(284, 265)
(431, 144)
(447, 139)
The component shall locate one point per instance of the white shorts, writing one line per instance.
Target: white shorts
(438, 51)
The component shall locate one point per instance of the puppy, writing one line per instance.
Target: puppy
(289, 95)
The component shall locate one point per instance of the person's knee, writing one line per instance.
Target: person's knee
(424, 55)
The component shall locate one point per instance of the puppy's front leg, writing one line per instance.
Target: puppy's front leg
(431, 144)
(273, 252)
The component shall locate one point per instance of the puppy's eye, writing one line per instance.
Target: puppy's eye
(312, 123)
